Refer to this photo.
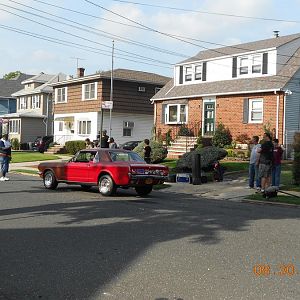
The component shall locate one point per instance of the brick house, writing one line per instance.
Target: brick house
(77, 107)
(33, 116)
(245, 87)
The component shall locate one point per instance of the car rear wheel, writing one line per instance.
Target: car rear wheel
(50, 181)
(106, 185)
(85, 187)
(143, 190)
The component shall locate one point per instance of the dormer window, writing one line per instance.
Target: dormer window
(243, 65)
(188, 73)
(256, 63)
(198, 72)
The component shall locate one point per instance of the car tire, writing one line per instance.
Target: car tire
(50, 181)
(85, 187)
(106, 185)
(144, 190)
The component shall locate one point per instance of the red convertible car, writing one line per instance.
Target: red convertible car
(106, 168)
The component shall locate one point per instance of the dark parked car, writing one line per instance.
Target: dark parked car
(129, 145)
(42, 143)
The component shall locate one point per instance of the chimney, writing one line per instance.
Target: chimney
(80, 72)
(276, 33)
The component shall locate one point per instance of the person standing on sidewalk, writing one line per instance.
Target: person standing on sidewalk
(265, 161)
(276, 168)
(253, 164)
(5, 156)
(147, 151)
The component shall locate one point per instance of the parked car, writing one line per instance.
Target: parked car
(108, 169)
(42, 143)
(129, 145)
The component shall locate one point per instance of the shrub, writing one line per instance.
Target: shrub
(230, 152)
(158, 154)
(168, 137)
(222, 136)
(243, 138)
(200, 142)
(73, 147)
(296, 163)
(184, 131)
(15, 144)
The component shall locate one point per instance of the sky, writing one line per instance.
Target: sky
(53, 36)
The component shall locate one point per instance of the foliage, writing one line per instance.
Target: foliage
(15, 144)
(158, 153)
(184, 131)
(209, 155)
(222, 136)
(243, 138)
(73, 147)
(230, 152)
(11, 75)
(199, 142)
(169, 137)
(296, 163)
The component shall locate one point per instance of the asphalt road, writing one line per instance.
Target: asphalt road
(71, 244)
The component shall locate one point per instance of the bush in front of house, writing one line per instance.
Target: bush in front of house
(158, 154)
(73, 147)
(15, 144)
(296, 162)
(222, 136)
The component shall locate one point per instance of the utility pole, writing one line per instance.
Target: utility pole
(111, 85)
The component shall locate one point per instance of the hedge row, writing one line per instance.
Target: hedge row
(74, 146)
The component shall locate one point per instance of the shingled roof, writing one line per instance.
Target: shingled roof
(232, 86)
(10, 86)
(242, 48)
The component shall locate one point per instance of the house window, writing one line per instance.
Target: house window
(127, 131)
(84, 127)
(61, 95)
(127, 128)
(14, 126)
(243, 65)
(35, 101)
(198, 72)
(89, 91)
(22, 103)
(176, 113)
(256, 63)
(157, 89)
(255, 110)
(60, 126)
(188, 73)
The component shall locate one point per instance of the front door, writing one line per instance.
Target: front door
(209, 118)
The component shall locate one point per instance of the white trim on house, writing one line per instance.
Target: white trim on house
(251, 100)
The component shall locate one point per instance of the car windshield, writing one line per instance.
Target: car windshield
(125, 156)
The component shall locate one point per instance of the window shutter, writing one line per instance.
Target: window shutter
(246, 111)
(204, 72)
(163, 113)
(180, 74)
(234, 66)
(265, 63)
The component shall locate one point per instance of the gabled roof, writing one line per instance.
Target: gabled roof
(274, 42)
(232, 86)
(10, 86)
(121, 74)
(46, 87)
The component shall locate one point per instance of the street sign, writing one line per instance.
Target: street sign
(107, 104)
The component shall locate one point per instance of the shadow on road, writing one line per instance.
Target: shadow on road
(89, 243)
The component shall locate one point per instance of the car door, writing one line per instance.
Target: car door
(77, 170)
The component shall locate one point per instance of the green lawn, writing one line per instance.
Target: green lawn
(280, 198)
(30, 156)
(235, 166)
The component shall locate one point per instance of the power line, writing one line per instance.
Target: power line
(208, 12)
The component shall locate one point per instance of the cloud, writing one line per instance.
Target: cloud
(5, 16)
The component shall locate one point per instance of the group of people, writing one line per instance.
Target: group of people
(5, 157)
(265, 163)
(105, 142)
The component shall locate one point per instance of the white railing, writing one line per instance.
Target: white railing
(62, 139)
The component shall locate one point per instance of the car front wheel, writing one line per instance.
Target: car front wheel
(143, 190)
(50, 181)
(106, 185)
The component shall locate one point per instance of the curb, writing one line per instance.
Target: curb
(261, 202)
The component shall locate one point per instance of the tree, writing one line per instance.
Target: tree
(11, 75)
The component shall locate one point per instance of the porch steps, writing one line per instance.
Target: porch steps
(181, 145)
(56, 149)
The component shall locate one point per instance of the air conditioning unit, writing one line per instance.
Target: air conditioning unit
(141, 89)
(128, 124)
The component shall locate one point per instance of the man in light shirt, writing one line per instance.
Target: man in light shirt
(5, 156)
(253, 164)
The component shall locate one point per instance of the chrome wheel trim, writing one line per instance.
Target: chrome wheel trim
(105, 185)
(48, 179)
